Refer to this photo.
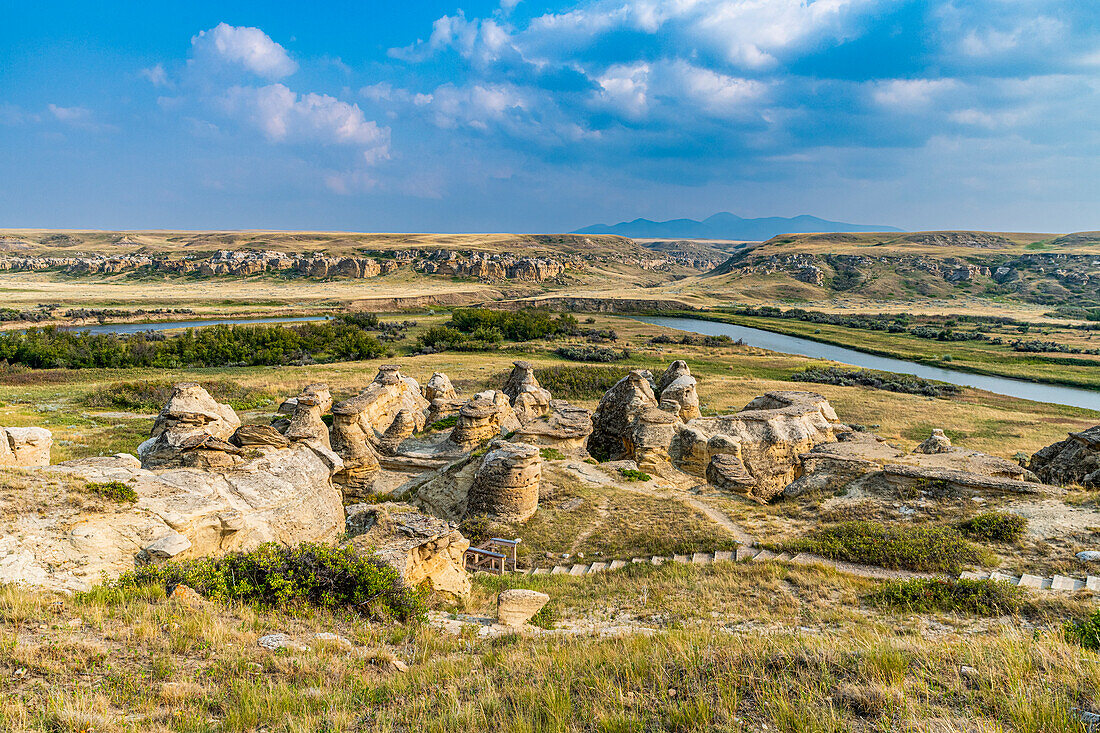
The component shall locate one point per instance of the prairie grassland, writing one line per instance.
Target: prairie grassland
(728, 647)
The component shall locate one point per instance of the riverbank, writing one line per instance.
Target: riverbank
(963, 356)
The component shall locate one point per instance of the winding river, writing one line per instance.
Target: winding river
(794, 345)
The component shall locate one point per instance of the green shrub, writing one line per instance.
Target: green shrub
(151, 394)
(588, 352)
(889, 381)
(272, 576)
(113, 490)
(921, 595)
(631, 474)
(917, 547)
(994, 526)
(447, 422)
(579, 382)
(551, 454)
(1085, 632)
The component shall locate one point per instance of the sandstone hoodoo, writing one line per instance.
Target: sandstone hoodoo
(937, 442)
(678, 391)
(613, 421)
(443, 400)
(355, 446)
(192, 430)
(528, 398)
(566, 429)
(651, 432)
(306, 422)
(1073, 461)
(506, 485)
(402, 428)
(419, 547)
(319, 392)
(488, 414)
(25, 446)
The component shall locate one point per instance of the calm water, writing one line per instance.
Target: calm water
(124, 328)
(805, 347)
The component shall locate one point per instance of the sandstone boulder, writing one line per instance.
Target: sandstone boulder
(528, 398)
(506, 485)
(517, 606)
(419, 547)
(25, 446)
(727, 472)
(280, 495)
(565, 429)
(613, 421)
(191, 409)
(306, 423)
(1073, 461)
(256, 436)
(937, 442)
(485, 416)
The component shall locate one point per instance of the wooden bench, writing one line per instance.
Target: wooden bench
(495, 555)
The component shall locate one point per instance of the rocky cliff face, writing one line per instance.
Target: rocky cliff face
(481, 265)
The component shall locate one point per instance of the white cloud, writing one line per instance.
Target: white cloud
(910, 94)
(71, 115)
(284, 116)
(248, 47)
(156, 75)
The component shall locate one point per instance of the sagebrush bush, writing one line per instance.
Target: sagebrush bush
(916, 547)
(977, 597)
(447, 422)
(273, 576)
(631, 474)
(579, 382)
(588, 352)
(889, 381)
(1085, 632)
(994, 526)
(113, 490)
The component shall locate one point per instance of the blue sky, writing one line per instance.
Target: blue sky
(526, 116)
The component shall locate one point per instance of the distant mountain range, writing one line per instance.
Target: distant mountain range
(728, 226)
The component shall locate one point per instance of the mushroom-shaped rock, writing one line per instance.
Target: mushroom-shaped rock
(506, 485)
(306, 423)
(402, 428)
(319, 391)
(378, 404)
(527, 396)
(678, 391)
(25, 446)
(191, 409)
(937, 442)
(1075, 460)
(418, 546)
(613, 421)
(443, 400)
(565, 429)
(486, 415)
(517, 606)
(255, 436)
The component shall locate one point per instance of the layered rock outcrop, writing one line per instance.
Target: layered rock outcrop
(566, 429)
(419, 547)
(1073, 461)
(937, 442)
(506, 485)
(25, 446)
(767, 436)
(528, 398)
(485, 416)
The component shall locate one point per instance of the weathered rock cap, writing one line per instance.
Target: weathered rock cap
(192, 408)
(256, 436)
(388, 374)
(517, 606)
(937, 442)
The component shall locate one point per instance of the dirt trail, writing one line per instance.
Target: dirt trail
(601, 514)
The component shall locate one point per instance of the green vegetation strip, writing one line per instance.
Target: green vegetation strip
(924, 548)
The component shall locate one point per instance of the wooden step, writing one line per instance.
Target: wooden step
(702, 558)
(598, 567)
(1031, 581)
(1061, 582)
(685, 559)
(541, 571)
(723, 555)
(559, 570)
(1000, 577)
(746, 552)
(971, 575)
(783, 557)
(658, 560)
(764, 555)
(578, 569)
(616, 564)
